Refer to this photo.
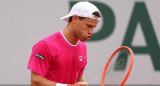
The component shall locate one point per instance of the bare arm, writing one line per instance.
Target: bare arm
(80, 79)
(38, 80)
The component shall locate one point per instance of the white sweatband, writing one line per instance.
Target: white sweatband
(59, 84)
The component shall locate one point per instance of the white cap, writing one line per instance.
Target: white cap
(82, 9)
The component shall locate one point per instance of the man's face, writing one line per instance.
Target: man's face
(84, 28)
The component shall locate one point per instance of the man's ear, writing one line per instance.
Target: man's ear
(75, 18)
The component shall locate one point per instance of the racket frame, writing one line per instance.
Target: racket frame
(110, 59)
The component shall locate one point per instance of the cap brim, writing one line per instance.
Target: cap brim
(66, 18)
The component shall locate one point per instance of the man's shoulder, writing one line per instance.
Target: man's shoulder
(52, 37)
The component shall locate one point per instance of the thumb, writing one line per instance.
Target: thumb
(84, 83)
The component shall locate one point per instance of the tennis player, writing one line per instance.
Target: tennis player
(59, 59)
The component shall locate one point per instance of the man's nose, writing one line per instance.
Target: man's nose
(91, 31)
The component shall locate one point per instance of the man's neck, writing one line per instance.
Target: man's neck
(69, 35)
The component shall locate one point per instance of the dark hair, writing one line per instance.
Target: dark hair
(97, 14)
(70, 18)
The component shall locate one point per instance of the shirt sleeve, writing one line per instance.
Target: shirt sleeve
(81, 72)
(40, 59)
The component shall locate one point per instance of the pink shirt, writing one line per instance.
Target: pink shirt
(57, 60)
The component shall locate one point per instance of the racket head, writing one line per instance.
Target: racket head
(109, 61)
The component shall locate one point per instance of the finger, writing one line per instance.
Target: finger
(84, 84)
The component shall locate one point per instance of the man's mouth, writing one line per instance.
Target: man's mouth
(88, 37)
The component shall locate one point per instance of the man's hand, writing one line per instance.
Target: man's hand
(79, 84)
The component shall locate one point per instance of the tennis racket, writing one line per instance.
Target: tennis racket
(118, 67)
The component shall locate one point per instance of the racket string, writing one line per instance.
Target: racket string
(117, 68)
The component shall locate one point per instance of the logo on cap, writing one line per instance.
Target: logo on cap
(95, 17)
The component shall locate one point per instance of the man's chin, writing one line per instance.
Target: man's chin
(84, 40)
